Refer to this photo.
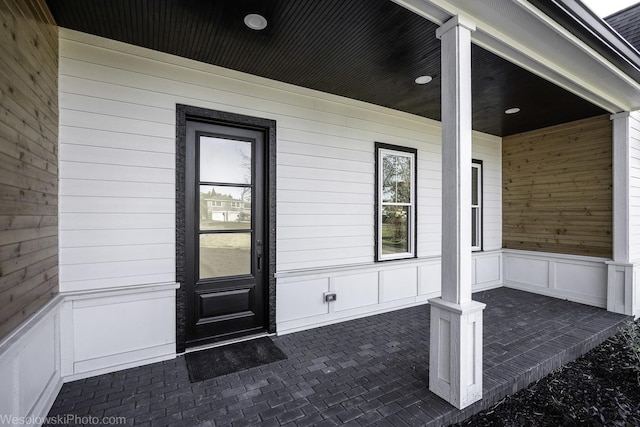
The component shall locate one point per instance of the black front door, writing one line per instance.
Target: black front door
(225, 234)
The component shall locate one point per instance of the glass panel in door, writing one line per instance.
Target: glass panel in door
(225, 225)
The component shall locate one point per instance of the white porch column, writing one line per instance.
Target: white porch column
(455, 362)
(622, 292)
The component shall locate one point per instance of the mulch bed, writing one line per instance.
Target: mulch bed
(600, 388)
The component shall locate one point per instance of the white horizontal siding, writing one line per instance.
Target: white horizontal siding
(114, 139)
(115, 156)
(489, 150)
(101, 238)
(313, 173)
(101, 188)
(113, 269)
(429, 198)
(106, 254)
(328, 164)
(127, 204)
(634, 190)
(95, 171)
(115, 221)
(117, 161)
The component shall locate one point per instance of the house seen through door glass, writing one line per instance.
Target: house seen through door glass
(225, 207)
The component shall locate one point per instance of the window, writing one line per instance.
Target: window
(396, 199)
(476, 205)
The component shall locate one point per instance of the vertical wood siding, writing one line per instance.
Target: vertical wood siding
(557, 189)
(28, 160)
(118, 164)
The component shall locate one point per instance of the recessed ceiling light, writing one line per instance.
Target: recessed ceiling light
(512, 110)
(423, 80)
(255, 21)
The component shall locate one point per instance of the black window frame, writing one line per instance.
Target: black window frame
(480, 226)
(413, 235)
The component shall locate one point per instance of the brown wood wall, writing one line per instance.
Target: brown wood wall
(557, 189)
(28, 160)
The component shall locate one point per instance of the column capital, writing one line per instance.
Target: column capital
(456, 21)
(460, 309)
(620, 115)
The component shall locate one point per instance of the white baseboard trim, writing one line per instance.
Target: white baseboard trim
(487, 287)
(140, 359)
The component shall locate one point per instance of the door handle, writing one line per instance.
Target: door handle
(259, 261)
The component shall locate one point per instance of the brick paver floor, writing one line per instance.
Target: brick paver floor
(370, 371)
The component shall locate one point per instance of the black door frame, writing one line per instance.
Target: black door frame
(184, 113)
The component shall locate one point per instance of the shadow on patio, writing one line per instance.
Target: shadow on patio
(367, 371)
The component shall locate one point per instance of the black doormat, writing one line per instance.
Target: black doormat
(223, 360)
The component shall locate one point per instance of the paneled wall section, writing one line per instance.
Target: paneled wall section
(28, 160)
(557, 189)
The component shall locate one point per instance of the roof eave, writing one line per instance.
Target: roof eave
(585, 24)
(565, 45)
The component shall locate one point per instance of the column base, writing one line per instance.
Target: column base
(622, 292)
(455, 353)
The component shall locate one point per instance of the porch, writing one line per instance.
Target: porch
(370, 370)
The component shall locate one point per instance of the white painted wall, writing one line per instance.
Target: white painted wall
(117, 138)
(632, 291)
(634, 183)
(117, 168)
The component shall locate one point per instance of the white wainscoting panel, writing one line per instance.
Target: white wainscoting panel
(355, 290)
(576, 278)
(486, 270)
(586, 279)
(429, 277)
(526, 270)
(30, 374)
(105, 331)
(398, 283)
(363, 290)
(303, 299)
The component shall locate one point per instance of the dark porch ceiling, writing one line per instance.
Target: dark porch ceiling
(370, 50)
